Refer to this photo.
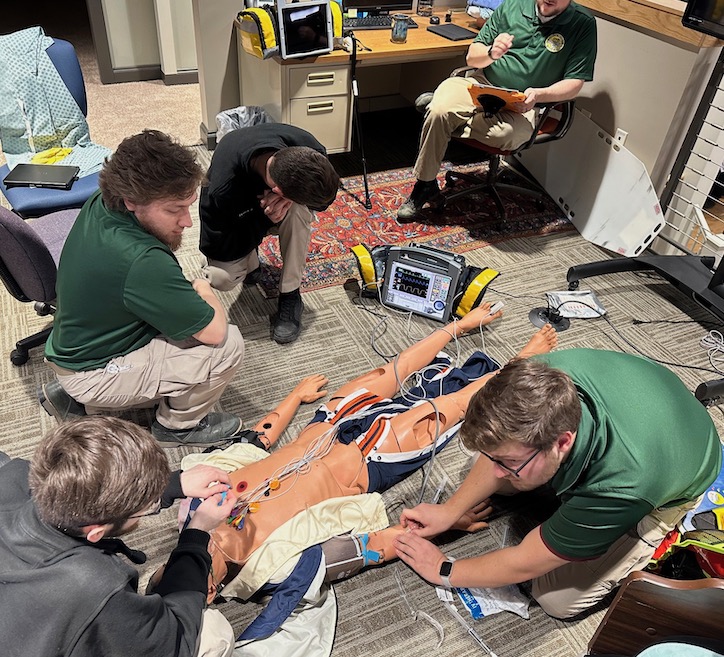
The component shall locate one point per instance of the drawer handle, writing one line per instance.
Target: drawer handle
(320, 78)
(320, 107)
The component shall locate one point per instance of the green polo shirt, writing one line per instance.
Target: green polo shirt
(118, 287)
(542, 54)
(644, 441)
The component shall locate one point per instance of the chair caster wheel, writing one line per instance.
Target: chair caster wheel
(19, 358)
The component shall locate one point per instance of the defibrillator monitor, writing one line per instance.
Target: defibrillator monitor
(422, 280)
(305, 28)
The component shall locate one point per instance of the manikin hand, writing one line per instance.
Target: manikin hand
(196, 482)
(472, 520)
(308, 389)
(212, 511)
(274, 205)
(477, 316)
(421, 555)
(426, 519)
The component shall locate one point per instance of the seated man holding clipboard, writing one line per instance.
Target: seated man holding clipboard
(544, 49)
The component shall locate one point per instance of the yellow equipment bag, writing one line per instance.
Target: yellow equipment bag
(336, 9)
(258, 31)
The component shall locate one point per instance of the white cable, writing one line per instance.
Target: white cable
(713, 342)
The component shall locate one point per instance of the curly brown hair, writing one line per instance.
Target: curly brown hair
(527, 402)
(147, 167)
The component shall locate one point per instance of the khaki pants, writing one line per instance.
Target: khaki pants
(294, 233)
(186, 378)
(216, 638)
(570, 589)
(452, 112)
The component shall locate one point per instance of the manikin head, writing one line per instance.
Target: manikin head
(96, 476)
(551, 8)
(304, 176)
(525, 420)
(156, 178)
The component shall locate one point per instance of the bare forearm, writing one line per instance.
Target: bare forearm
(215, 331)
(493, 569)
(511, 565)
(563, 90)
(479, 485)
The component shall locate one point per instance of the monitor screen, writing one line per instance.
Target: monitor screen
(378, 6)
(417, 290)
(705, 16)
(305, 28)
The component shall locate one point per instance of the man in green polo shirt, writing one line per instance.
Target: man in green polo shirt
(626, 448)
(130, 328)
(543, 48)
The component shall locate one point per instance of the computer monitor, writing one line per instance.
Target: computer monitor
(378, 7)
(705, 16)
(305, 28)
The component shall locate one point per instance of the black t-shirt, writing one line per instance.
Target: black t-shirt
(232, 221)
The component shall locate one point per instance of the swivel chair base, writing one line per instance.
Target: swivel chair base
(21, 354)
(490, 185)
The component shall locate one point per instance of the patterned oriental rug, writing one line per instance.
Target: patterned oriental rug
(469, 223)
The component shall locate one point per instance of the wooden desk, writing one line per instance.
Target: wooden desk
(659, 17)
(314, 93)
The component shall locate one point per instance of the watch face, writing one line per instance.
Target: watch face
(446, 568)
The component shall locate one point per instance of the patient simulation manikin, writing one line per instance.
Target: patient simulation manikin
(361, 441)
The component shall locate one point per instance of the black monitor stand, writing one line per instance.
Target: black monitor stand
(695, 276)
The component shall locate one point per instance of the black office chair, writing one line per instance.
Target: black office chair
(29, 255)
(553, 122)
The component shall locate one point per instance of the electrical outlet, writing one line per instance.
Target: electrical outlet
(620, 136)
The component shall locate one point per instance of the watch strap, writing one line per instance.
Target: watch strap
(445, 579)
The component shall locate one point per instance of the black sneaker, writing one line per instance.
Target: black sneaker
(253, 277)
(58, 403)
(287, 323)
(214, 428)
(423, 192)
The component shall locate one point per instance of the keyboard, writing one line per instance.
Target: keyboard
(383, 22)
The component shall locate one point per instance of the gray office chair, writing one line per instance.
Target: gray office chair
(29, 255)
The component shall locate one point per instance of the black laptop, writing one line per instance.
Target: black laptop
(54, 176)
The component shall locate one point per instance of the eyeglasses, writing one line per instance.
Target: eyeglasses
(515, 472)
(153, 512)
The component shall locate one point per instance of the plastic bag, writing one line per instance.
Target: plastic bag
(240, 117)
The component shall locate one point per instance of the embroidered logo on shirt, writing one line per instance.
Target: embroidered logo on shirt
(555, 43)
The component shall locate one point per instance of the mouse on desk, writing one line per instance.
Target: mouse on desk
(434, 20)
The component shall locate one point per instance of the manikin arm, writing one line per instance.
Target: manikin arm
(306, 391)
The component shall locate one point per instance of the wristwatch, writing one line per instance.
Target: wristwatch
(445, 572)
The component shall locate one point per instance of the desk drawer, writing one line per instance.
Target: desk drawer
(312, 81)
(326, 118)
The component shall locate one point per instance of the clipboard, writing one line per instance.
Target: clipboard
(494, 99)
(53, 176)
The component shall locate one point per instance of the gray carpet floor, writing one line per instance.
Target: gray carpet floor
(374, 618)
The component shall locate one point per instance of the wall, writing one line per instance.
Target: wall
(647, 86)
(131, 30)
